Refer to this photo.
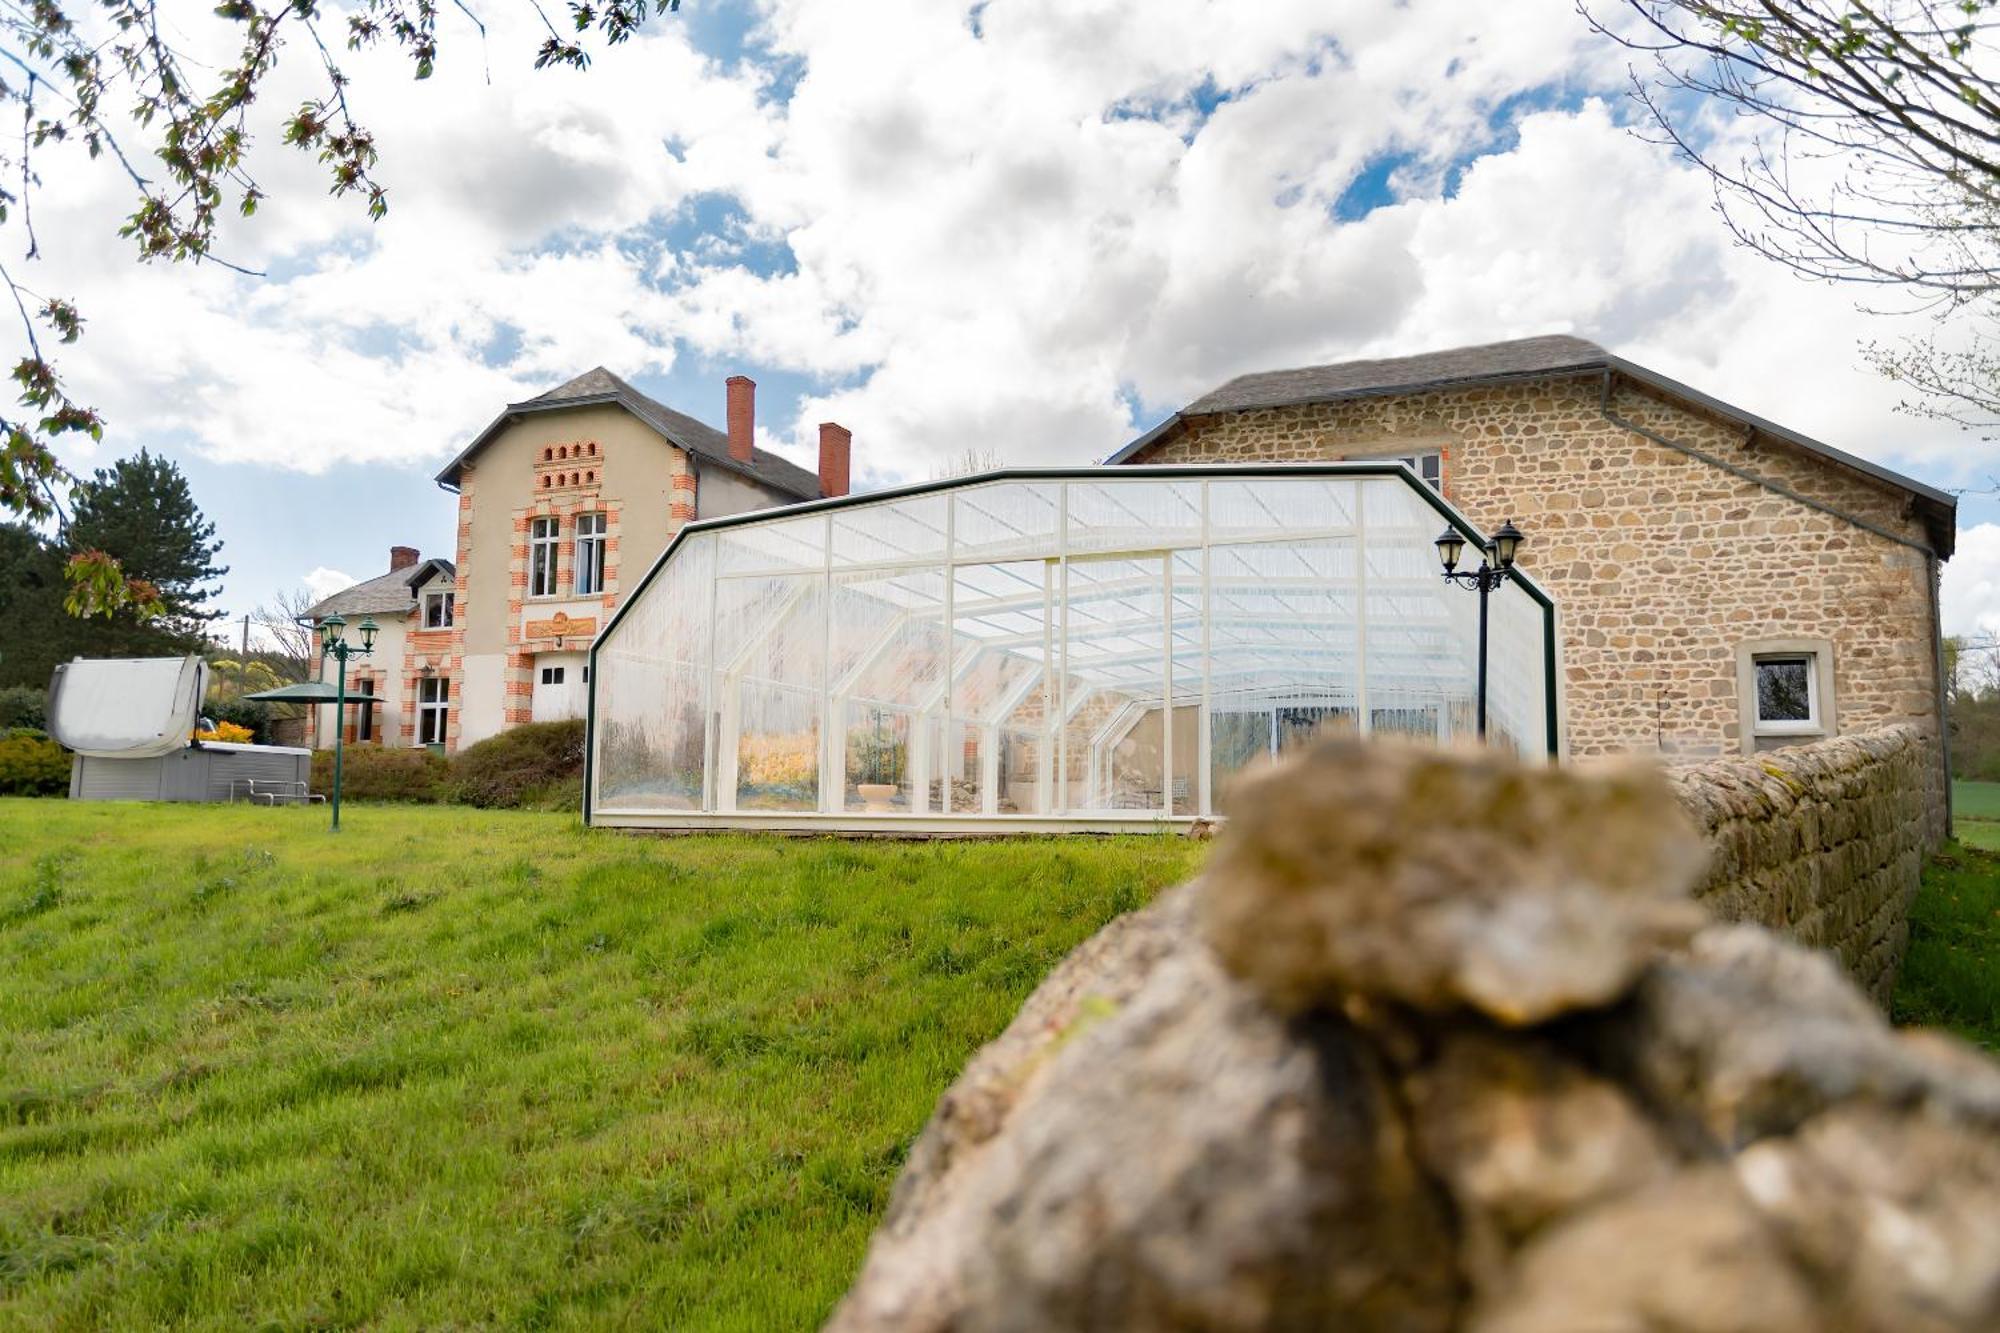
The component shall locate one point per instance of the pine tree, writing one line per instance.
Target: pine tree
(141, 512)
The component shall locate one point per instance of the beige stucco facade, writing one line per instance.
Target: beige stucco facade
(594, 459)
(1665, 567)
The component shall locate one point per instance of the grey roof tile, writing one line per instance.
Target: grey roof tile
(599, 386)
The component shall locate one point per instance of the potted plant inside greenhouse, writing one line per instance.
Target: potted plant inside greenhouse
(875, 757)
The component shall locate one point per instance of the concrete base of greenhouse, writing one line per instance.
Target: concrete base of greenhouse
(850, 825)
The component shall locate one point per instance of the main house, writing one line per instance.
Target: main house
(562, 501)
(1090, 647)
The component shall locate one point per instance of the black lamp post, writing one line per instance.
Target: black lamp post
(331, 644)
(1495, 569)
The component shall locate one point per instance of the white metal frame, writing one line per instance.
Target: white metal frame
(940, 725)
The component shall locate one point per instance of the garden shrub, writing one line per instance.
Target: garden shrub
(31, 764)
(384, 773)
(225, 731)
(23, 706)
(538, 765)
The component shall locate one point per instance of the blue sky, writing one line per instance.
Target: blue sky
(1027, 228)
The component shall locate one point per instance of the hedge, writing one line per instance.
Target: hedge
(535, 766)
(31, 764)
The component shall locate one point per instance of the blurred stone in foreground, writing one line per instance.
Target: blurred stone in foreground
(1437, 1042)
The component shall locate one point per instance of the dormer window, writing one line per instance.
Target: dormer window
(438, 608)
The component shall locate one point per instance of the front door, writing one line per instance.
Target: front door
(559, 686)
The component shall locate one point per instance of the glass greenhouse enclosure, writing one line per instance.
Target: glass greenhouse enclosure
(1090, 649)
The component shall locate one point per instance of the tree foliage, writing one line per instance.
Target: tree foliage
(121, 82)
(1874, 159)
(139, 513)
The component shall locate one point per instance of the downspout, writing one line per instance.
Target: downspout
(1779, 488)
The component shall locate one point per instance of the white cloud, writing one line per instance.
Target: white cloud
(323, 582)
(1971, 593)
(997, 239)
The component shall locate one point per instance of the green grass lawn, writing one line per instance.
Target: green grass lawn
(1951, 975)
(473, 1069)
(1975, 808)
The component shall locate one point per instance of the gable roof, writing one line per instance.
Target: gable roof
(598, 387)
(1520, 359)
(389, 592)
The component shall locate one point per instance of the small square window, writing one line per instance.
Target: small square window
(552, 675)
(1787, 694)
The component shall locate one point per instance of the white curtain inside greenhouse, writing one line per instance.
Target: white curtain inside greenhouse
(1081, 649)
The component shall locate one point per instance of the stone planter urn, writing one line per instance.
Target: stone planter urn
(877, 796)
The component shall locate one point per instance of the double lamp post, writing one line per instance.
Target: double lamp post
(331, 644)
(1495, 568)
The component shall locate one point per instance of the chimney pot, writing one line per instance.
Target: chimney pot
(742, 416)
(402, 557)
(836, 454)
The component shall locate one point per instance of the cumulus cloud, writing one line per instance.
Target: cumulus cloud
(323, 582)
(1026, 227)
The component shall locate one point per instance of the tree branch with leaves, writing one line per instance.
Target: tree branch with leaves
(1874, 156)
(109, 79)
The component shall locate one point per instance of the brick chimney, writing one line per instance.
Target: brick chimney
(836, 451)
(742, 416)
(402, 557)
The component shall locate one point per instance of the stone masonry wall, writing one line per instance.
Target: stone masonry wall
(1823, 843)
(1661, 565)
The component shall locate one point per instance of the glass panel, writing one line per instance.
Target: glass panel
(1517, 684)
(1133, 515)
(777, 751)
(791, 545)
(910, 529)
(996, 751)
(1422, 632)
(887, 681)
(1189, 665)
(1283, 650)
(1114, 637)
(1005, 520)
(1271, 508)
(651, 691)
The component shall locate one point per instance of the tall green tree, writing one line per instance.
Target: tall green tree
(141, 512)
(35, 632)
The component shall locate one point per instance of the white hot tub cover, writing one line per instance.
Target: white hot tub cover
(126, 707)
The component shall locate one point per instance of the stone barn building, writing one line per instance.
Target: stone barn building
(1723, 584)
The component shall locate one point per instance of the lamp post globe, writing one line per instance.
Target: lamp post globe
(1451, 545)
(1506, 543)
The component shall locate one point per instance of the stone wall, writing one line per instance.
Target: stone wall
(1439, 1042)
(1662, 566)
(1822, 842)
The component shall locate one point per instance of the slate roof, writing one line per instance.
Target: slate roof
(599, 387)
(1521, 358)
(393, 593)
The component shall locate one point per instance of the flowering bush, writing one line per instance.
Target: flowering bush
(226, 731)
(32, 765)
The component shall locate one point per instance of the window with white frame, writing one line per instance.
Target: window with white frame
(589, 554)
(1787, 700)
(364, 713)
(433, 706)
(1785, 688)
(542, 557)
(438, 607)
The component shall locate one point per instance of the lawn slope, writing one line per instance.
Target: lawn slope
(470, 1069)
